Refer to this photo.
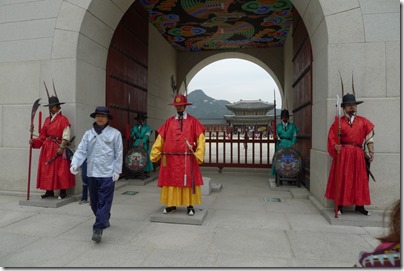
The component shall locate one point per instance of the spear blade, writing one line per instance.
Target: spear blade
(35, 107)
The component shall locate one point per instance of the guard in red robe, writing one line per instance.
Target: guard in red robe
(53, 139)
(180, 145)
(353, 181)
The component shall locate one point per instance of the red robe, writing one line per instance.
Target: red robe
(174, 164)
(353, 179)
(56, 175)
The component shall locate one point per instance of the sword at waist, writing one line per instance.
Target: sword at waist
(54, 137)
(177, 153)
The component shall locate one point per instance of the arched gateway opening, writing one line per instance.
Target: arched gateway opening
(127, 66)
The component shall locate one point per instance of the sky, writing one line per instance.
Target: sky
(235, 79)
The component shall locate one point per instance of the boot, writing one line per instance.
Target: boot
(48, 193)
(361, 209)
(190, 210)
(340, 210)
(62, 194)
(168, 210)
(97, 235)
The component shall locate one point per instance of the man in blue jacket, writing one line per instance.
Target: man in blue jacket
(102, 147)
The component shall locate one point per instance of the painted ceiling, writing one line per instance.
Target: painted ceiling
(204, 25)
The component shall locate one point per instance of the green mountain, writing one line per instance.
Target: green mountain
(206, 107)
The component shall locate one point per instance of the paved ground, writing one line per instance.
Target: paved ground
(250, 223)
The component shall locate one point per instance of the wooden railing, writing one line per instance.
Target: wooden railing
(238, 150)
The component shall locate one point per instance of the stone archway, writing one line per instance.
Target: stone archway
(97, 43)
(359, 48)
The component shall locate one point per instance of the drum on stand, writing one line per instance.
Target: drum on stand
(288, 164)
(136, 160)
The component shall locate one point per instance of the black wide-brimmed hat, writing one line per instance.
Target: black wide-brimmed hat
(53, 101)
(349, 99)
(285, 113)
(103, 111)
(141, 116)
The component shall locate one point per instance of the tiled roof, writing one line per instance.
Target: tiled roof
(250, 105)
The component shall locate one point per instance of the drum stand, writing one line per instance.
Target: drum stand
(139, 175)
(279, 179)
(288, 167)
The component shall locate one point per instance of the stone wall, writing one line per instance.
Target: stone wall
(359, 38)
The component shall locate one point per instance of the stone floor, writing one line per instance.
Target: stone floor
(248, 223)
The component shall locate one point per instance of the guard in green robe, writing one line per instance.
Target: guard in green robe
(285, 134)
(140, 133)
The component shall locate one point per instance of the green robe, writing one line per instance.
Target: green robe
(285, 138)
(141, 133)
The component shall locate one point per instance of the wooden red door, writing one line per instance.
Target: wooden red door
(302, 88)
(126, 71)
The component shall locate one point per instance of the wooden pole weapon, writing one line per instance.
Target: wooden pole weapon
(274, 134)
(338, 158)
(186, 87)
(127, 128)
(33, 112)
(192, 175)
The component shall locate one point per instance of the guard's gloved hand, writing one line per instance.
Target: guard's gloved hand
(115, 177)
(74, 169)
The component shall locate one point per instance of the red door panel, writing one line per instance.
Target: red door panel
(126, 71)
(302, 88)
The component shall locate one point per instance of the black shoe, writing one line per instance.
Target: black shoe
(62, 194)
(340, 210)
(48, 193)
(108, 225)
(97, 235)
(190, 210)
(168, 210)
(362, 210)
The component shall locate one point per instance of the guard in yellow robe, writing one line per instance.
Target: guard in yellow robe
(180, 145)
